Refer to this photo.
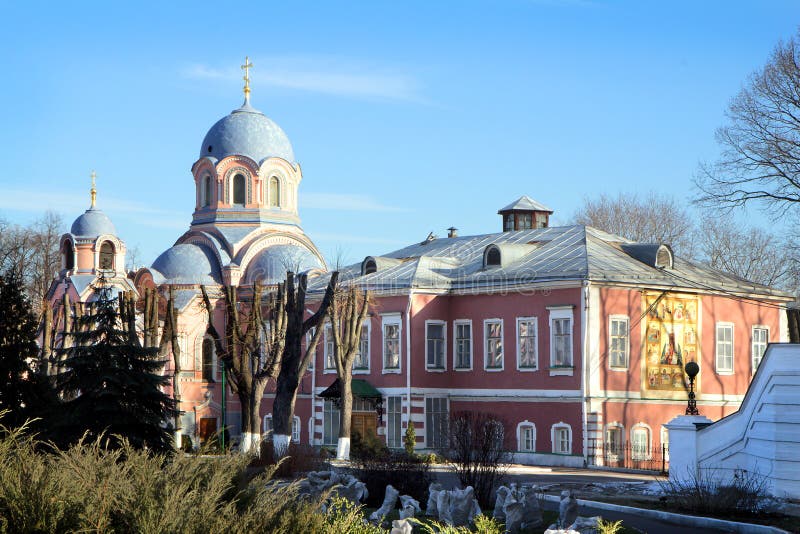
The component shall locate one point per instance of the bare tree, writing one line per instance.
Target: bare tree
(45, 260)
(760, 159)
(654, 218)
(294, 361)
(746, 252)
(347, 314)
(251, 349)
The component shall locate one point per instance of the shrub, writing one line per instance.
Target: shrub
(410, 438)
(301, 458)
(408, 474)
(475, 447)
(711, 492)
(88, 488)
(367, 447)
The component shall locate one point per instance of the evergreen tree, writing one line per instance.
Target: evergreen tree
(19, 385)
(110, 383)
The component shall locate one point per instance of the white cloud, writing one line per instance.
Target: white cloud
(343, 202)
(321, 75)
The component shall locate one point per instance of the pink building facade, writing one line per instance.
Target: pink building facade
(574, 338)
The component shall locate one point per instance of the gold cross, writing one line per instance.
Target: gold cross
(246, 68)
(94, 189)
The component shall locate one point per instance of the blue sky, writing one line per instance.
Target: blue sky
(407, 117)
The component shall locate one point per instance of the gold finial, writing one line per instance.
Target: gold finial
(94, 189)
(246, 68)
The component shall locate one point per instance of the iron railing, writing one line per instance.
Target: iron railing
(628, 455)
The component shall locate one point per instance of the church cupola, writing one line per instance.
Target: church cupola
(246, 172)
(524, 214)
(92, 244)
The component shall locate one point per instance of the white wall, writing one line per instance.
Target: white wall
(762, 437)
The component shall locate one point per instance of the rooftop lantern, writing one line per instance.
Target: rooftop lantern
(524, 214)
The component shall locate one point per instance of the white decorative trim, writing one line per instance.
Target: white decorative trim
(443, 324)
(456, 324)
(562, 312)
(724, 324)
(535, 322)
(486, 323)
(521, 424)
(388, 320)
(558, 426)
(619, 317)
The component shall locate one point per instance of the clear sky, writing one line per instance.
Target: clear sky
(407, 117)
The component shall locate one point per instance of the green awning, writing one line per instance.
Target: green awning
(361, 389)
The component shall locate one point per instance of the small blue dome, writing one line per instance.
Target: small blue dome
(188, 264)
(247, 132)
(93, 223)
(271, 264)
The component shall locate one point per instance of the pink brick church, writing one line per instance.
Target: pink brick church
(573, 337)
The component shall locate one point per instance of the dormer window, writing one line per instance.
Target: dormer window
(491, 257)
(239, 189)
(274, 192)
(370, 266)
(106, 262)
(664, 257)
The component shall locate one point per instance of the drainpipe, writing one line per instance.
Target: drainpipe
(586, 367)
(408, 352)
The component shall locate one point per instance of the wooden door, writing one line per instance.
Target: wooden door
(208, 427)
(364, 423)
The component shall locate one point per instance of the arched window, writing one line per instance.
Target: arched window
(68, 255)
(238, 189)
(640, 442)
(561, 436)
(208, 360)
(274, 192)
(206, 194)
(526, 436)
(492, 257)
(106, 256)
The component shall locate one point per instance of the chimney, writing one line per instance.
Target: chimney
(452, 232)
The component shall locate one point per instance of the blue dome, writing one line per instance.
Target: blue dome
(271, 264)
(247, 132)
(188, 264)
(93, 223)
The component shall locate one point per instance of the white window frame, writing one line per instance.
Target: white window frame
(611, 336)
(428, 367)
(399, 414)
(561, 425)
(535, 367)
(558, 313)
(429, 431)
(753, 364)
(456, 324)
(520, 441)
(386, 320)
(486, 323)
(717, 346)
(637, 455)
(267, 427)
(327, 351)
(365, 330)
(621, 429)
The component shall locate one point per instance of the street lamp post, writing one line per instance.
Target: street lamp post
(692, 369)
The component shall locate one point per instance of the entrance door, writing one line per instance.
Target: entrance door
(364, 423)
(208, 427)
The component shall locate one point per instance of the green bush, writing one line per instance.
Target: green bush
(89, 488)
(368, 447)
(410, 438)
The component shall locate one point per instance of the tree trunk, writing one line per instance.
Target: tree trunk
(251, 417)
(345, 420)
(283, 407)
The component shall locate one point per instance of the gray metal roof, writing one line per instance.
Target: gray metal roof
(526, 203)
(247, 132)
(92, 223)
(553, 254)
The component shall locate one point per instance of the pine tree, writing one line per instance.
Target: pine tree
(110, 383)
(19, 387)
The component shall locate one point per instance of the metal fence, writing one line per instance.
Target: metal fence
(629, 456)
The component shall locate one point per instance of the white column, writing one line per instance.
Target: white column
(683, 447)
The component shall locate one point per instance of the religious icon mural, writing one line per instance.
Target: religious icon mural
(670, 339)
